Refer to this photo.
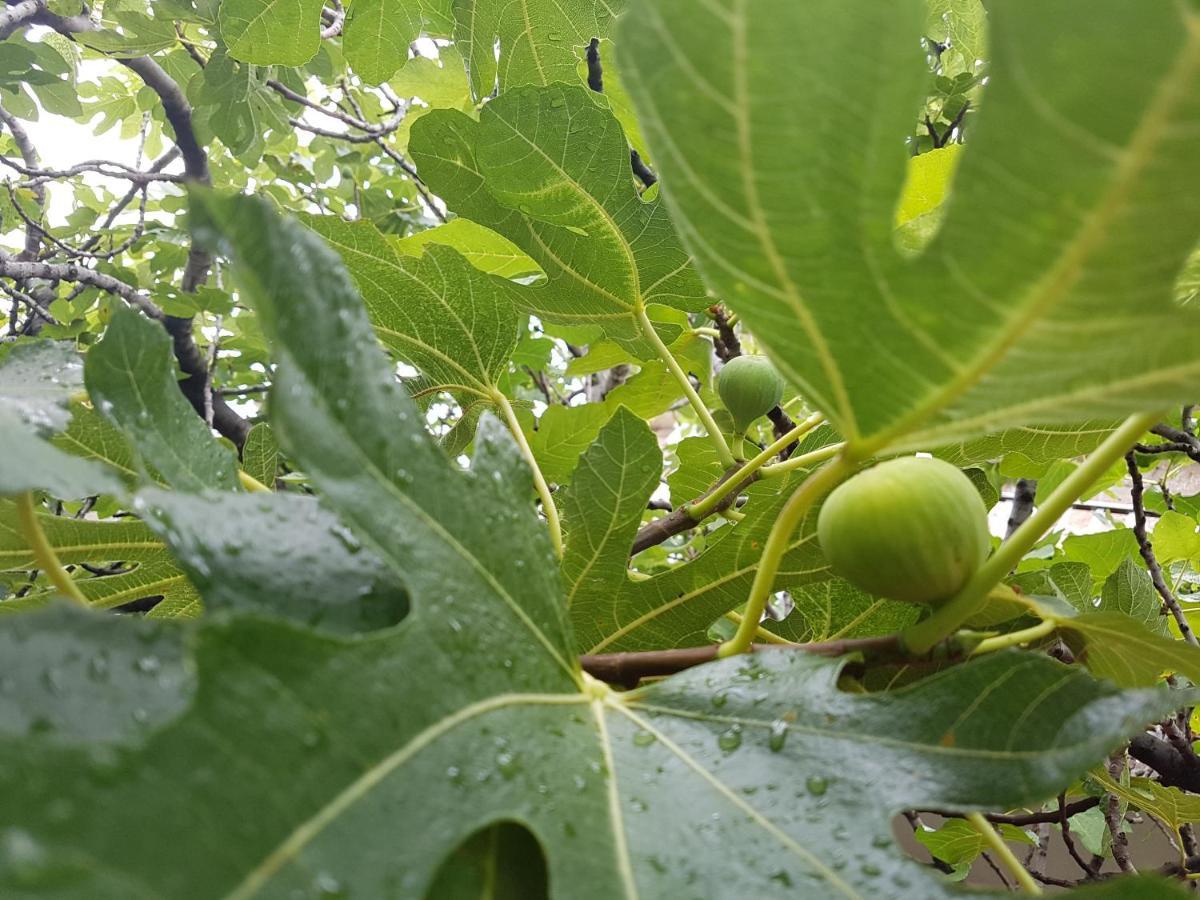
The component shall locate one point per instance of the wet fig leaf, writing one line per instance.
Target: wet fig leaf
(457, 325)
(549, 170)
(539, 40)
(793, 228)
(130, 376)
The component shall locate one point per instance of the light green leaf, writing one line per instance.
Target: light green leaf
(454, 323)
(549, 170)
(272, 32)
(927, 182)
(604, 505)
(1038, 444)
(957, 842)
(835, 609)
(1129, 591)
(961, 24)
(131, 378)
(1102, 552)
(538, 39)
(485, 249)
(1175, 538)
(128, 32)
(89, 436)
(145, 567)
(565, 432)
(377, 34)
(1125, 651)
(697, 469)
(792, 226)
(260, 455)
(1169, 805)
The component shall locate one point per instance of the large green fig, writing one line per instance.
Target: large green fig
(749, 386)
(911, 529)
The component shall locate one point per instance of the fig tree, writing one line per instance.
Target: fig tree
(749, 386)
(911, 529)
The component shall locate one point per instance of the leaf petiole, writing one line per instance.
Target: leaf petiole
(812, 489)
(705, 506)
(539, 480)
(992, 838)
(706, 419)
(43, 552)
(252, 484)
(1015, 638)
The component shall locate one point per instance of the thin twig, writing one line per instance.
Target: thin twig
(1064, 822)
(1146, 548)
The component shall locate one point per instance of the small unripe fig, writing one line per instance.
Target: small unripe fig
(749, 386)
(911, 529)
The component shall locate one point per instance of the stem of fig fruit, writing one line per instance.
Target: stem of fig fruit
(996, 844)
(702, 508)
(919, 638)
(539, 480)
(706, 419)
(812, 489)
(43, 552)
(1015, 638)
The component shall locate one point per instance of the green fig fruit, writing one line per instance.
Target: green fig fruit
(911, 529)
(749, 386)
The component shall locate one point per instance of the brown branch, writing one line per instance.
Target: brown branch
(36, 177)
(1112, 818)
(1174, 767)
(33, 231)
(1023, 819)
(416, 179)
(728, 345)
(23, 13)
(680, 519)
(628, 669)
(20, 270)
(196, 385)
(1064, 821)
(1024, 494)
(1146, 548)
(336, 18)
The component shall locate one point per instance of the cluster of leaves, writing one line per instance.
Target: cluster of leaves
(458, 352)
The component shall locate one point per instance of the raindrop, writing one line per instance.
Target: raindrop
(643, 738)
(778, 737)
(730, 739)
(816, 785)
(508, 765)
(325, 885)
